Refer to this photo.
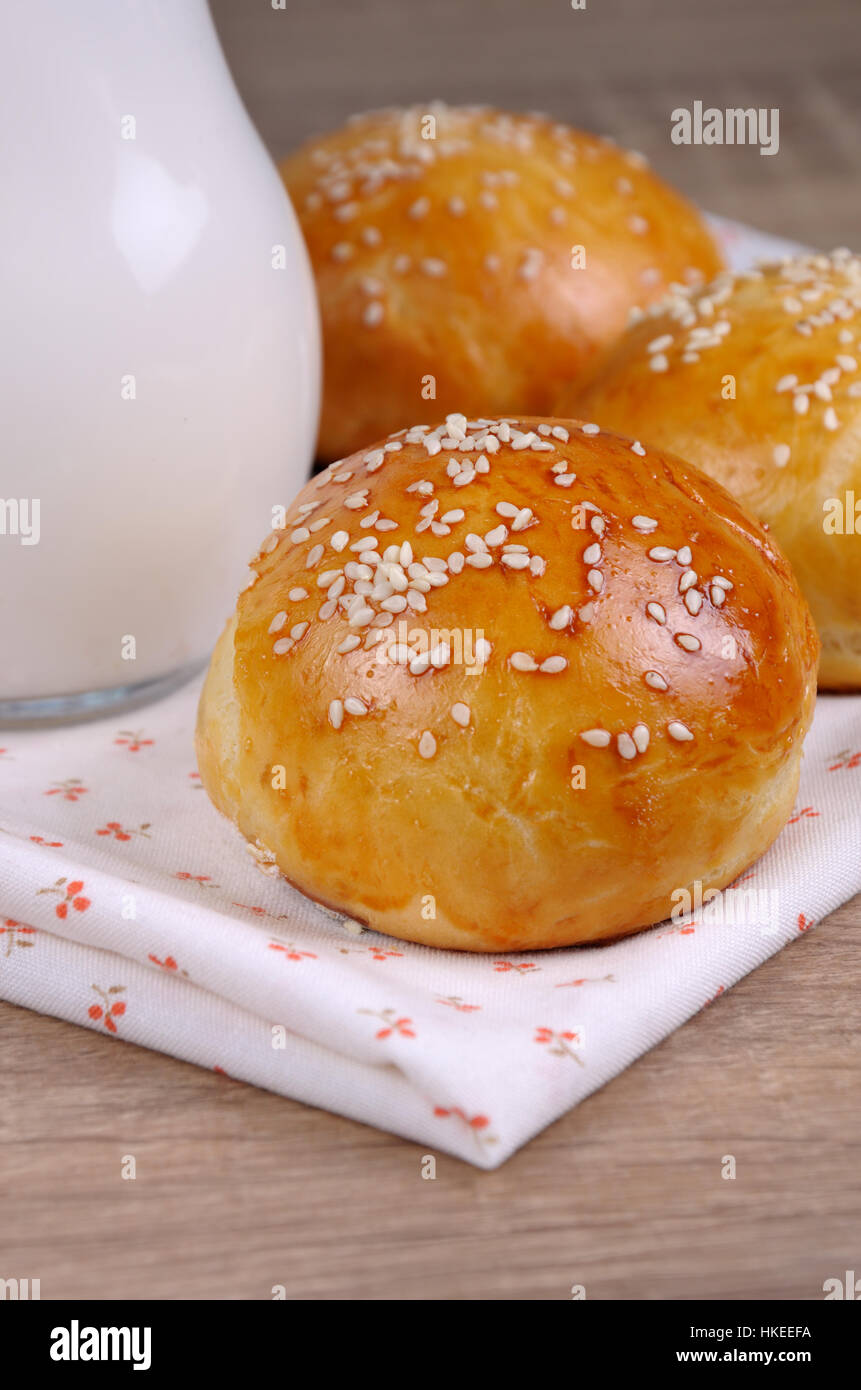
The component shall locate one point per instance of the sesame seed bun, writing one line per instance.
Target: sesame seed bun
(757, 380)
(598, 696)
(453, 258)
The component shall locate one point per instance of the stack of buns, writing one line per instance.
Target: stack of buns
(504, 679)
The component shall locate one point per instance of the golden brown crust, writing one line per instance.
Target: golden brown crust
(788, 443)
(446, 807)
(451, 258)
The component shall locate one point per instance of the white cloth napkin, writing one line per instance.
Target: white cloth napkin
(128, 905)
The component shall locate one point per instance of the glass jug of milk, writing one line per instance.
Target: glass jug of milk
(159, 351)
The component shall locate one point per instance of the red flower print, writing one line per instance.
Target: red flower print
(477, 1124)
(262, 912)
(114, 828)
(685, 928)
(202, 880)
(167, 964)
(601, 980)
(391, 1023)
(522, 967)
(561, 1043)
(717, 994)
(69, 893)
(11, 932)
(196, 779)
(108, 1011)
(291, 952)
(845, 759)
(133, 742)
(806, 811)
(49, 844)
(70, 790)
(805, 923)
(375, 952)
(455, 1002)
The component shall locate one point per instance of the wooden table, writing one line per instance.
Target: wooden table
(238, 1190)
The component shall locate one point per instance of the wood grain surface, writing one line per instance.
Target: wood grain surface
(238, 1190)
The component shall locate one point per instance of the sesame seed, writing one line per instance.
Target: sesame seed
(553, 665)
(353, 705)
(283, 645)
(830, 419)
(522, 661)
(679, 731)
(640, 735)
(300, 534)
(298, 631)
(655, 680)
(461, 714)
(339, 540)
(592, 554)
(659, 362)
(497, 535)
(687, 581)
(644, 523)
(660, 344)
(657, 612)
(591, 429)
(349, 644)
(781, 455)
(661, 553)
(684, 556)
(372, 314)
(637, 448)
(626, 746)
(688, 641)
(693, 601)
(315, 555)
(596, 738)
(562, 617)
(515, 561)
(595, 580)
(277, 622)
(427, 744)
(336, 714)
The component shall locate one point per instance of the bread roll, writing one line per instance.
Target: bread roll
(448, 246)
(757, 380)
(507, 685)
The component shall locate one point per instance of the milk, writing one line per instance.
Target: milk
(159, 349)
